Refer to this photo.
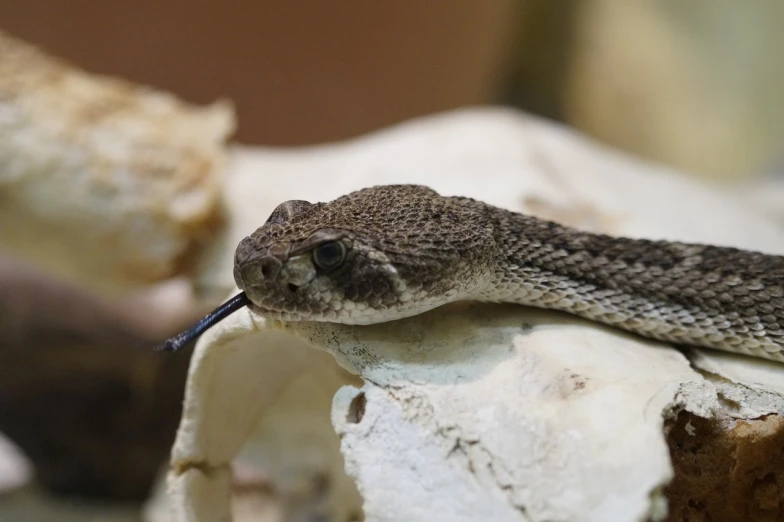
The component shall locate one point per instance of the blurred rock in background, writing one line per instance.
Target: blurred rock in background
(104, 183)
(697, 84)
(82, 394)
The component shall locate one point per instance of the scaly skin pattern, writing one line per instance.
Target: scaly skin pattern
(409, 250)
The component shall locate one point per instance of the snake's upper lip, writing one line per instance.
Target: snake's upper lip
(280, 315)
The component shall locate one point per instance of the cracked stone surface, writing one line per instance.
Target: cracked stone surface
(478, 411)
(90, 161)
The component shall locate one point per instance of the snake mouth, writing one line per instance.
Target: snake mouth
(279, 315)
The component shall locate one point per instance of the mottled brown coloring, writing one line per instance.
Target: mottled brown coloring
(410, 250)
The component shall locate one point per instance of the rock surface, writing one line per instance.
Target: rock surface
(105, 183)
(478, 411)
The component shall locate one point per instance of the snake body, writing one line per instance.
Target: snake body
(389, 252)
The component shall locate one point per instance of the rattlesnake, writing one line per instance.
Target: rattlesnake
(389, 252)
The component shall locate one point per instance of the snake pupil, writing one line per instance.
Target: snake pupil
(329, 255)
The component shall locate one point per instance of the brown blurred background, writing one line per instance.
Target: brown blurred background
(298, 72)
(694, 83)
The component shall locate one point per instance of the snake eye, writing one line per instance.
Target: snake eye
(329, 255)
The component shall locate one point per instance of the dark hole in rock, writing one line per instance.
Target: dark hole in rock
(357, 409)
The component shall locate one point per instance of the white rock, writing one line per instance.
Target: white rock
(103, 182)
(472, 411)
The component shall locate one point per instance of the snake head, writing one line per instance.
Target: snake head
(374, 255)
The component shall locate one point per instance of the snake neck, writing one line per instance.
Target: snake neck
(714, 297)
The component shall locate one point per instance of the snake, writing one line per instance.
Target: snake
(389, 252)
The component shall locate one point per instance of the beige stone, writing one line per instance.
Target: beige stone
(471, 411)
(103, 182)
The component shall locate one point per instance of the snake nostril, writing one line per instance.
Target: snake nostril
(257, 272)
(292, 287)
(267, 271)
(270, 268)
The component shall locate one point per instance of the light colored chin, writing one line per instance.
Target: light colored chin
(381, 316)
(357, 317)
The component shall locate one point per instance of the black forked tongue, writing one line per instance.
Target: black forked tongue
(223, 311)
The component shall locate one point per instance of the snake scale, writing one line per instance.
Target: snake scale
(388, 252)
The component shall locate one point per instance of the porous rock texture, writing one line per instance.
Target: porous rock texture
(479, 411)
(105, 183)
